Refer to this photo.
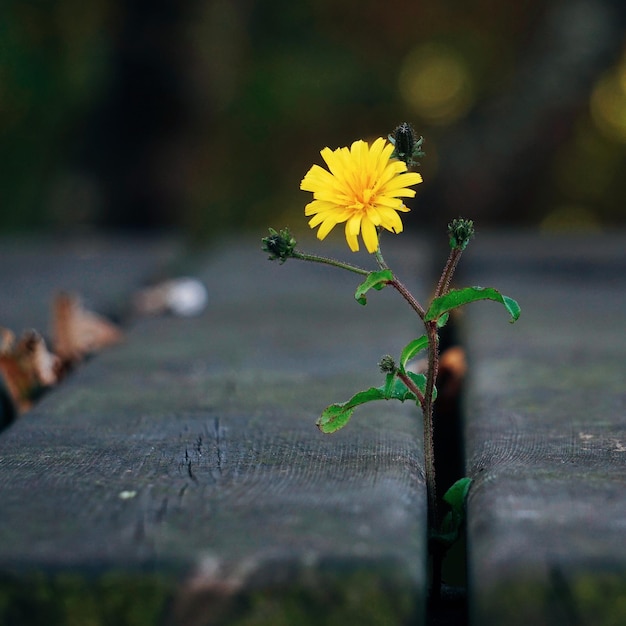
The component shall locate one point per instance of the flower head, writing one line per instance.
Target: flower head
(363, 188)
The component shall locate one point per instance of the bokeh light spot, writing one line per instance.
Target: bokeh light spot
(608, 104)
(570, 218)
(435, 82)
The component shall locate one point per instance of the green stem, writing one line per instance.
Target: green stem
(303, 256)
(379, 259)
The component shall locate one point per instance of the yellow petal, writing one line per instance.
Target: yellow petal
(403, 192)
(393, 170)
(382, 152)
(334, 159)
(352, 240)
(315, 177)
(354, 224)
(326, 227)
(369, 234)
(374, 160)
(405, 179)
(318, 206)
(316, 220)
(388, 201)
(373, 215)
(390, 220)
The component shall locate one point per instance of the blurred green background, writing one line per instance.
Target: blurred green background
(203, 116)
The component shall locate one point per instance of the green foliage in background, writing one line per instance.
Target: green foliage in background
(53, 63)
(258, 86)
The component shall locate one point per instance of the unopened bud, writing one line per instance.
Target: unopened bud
(460, 232)
(407, 146)
(279, 245)
(387, 365)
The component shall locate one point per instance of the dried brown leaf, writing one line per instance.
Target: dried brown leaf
(26, 367)
(78, 332)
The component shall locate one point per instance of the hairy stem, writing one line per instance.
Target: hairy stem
(429, 447)
(404, 292)
(408, 296)
(412, 387)
(448, 271)
(303, 256)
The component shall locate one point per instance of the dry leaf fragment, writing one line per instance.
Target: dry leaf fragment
(26, 367)
(452, 372)
(78, 332)
(7, 340)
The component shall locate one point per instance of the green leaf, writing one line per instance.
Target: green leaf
(456, 495)
(389, 382)
(443, 320)
(399, 391)
(452, 522)
(419, 380)
(374, 280)
(336, 416)
(412, 349)
(458, 297)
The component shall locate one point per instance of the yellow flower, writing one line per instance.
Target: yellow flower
(363, 189)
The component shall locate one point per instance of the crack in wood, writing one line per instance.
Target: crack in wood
(217, 430)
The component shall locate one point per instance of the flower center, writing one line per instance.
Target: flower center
(362, 200)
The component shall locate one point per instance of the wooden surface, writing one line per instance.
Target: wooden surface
(103, 270)
(179, 478)
(546, 432)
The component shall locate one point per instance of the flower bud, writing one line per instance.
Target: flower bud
(460, 232)
(279, 245)
(387, 365)
(407, 146)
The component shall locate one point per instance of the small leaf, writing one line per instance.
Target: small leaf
(412, 349)
(374, 280)
(336, 416)
(389, 380)
(459, 297)
(419, 381)
(452, 522)
(456, 495)
(443, 320)
(399, 391)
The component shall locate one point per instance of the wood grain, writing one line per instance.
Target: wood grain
(546, 433)
(185, 466)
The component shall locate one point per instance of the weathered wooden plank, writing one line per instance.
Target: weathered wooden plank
(103, 270)
(181, 473)
(546, 432)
